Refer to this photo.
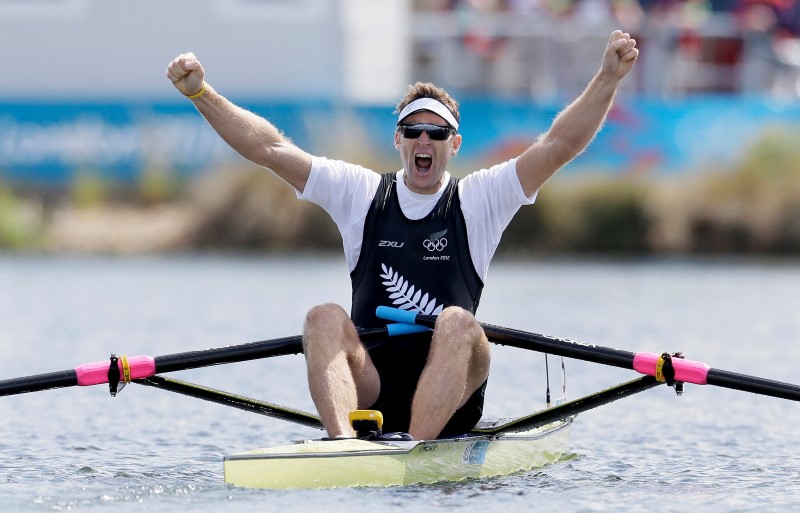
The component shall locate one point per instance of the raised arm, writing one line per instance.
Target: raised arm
(575, 127)
(252, 136)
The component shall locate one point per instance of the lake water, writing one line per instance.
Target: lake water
(148, 450)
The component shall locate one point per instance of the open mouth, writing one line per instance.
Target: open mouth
(423, 162)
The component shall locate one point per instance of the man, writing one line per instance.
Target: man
(417, 239)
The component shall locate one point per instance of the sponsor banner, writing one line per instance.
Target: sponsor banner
(49, 143)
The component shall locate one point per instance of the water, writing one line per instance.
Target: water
(149, 450)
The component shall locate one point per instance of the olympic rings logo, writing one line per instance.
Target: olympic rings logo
(435, 244)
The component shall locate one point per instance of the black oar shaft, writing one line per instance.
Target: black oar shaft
(231, 354)
(559, 346)
(166, 363)
(753, 384)
(625, 360)
(60, 379)
(183, 361)
(550, 345)
(246, 352)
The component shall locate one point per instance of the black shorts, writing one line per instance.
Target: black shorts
(399, 362)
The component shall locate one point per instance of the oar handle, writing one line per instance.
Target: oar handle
(402, 316)
(402, 328)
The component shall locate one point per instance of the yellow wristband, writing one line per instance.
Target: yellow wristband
(198, 94)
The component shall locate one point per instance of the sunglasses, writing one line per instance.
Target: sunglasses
(435, 132)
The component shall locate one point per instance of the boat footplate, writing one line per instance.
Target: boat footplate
(366, 423)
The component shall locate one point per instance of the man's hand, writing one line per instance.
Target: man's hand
(186, 73)
(620, 55)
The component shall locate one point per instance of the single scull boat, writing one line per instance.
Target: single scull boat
(353, 462)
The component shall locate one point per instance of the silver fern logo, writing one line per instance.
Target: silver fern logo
(436, 241)
(406, 296)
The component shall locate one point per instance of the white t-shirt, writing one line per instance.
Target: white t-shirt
(489, 200)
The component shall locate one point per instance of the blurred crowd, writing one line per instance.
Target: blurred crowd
(689, 46)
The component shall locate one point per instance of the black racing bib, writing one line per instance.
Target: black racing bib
(420, 265)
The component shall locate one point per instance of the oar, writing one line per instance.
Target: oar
(234, 400)
(663, 366)
(125, 369)
(568, 409)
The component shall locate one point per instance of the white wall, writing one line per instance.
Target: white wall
(119, 49)
(377, 49)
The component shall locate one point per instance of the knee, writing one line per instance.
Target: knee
(456, 317)
(458, 321)
(327, 319)
(325, 314)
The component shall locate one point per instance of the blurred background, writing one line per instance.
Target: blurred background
(100, 154)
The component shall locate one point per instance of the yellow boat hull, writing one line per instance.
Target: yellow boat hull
(352, 462)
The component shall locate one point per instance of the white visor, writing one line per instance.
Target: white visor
(431, 105)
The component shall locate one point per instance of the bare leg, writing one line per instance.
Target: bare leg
(341, 375)
(458, 364)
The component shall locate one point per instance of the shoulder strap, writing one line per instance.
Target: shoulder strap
(379, 204)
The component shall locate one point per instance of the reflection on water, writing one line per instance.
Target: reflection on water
(715, 449)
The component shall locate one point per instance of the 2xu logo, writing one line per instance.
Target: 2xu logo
(390, 244)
